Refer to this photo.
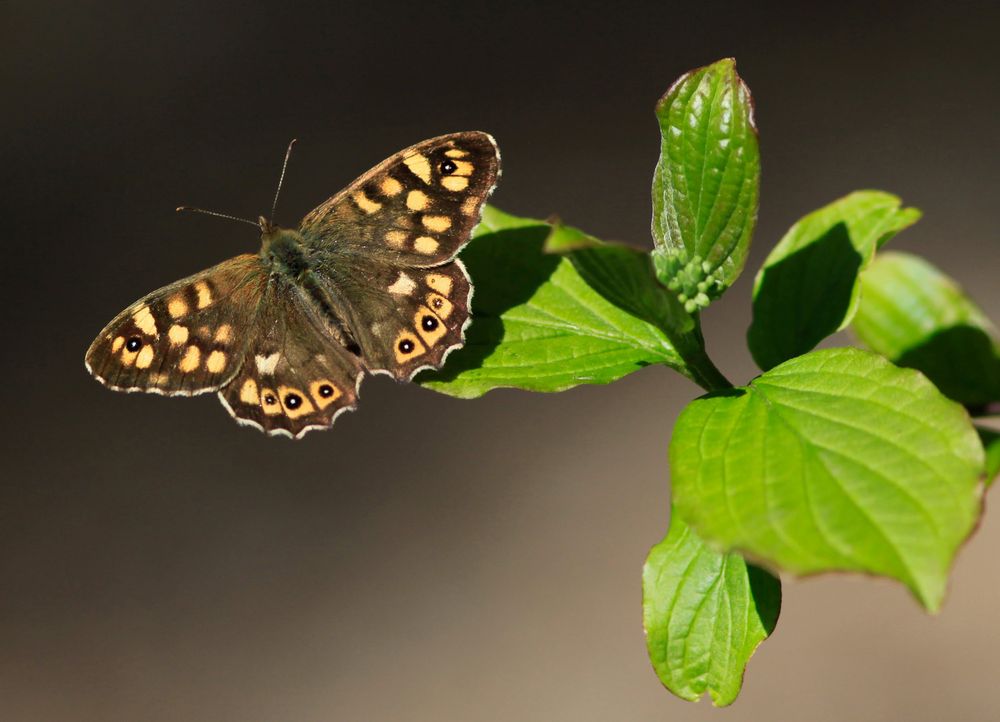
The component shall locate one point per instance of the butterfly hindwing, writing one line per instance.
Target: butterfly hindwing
(417, 208)
(294, 376)
(406, 319)
(185, 338)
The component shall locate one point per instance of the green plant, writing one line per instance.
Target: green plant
(832, 459)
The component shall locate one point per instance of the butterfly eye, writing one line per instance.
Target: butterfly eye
(134, 344)
(447, 167)
(293, 401)
(405, 346)
(326, 391)
(429, 323)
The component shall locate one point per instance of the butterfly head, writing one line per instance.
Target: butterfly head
(281, 248)
(266, 227)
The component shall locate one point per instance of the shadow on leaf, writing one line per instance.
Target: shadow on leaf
(624, 277)
(962, 362)
(765, 589)
(507, 267)
(803, 298)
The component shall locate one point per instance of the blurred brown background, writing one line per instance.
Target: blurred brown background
(431, 559)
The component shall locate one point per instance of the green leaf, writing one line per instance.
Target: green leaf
(808, 287)
(991, 445)
(565, 239)
(918, 317)
(704, 614)
(545, 322)
(836, 460)
(705, 188)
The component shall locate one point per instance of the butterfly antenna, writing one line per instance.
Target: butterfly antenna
(190, 209)
(281, 179)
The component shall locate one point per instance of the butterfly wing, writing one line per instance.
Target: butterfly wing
(294, 376)
(403, 319)
(415, 209)
(384, 250)
(182, 339)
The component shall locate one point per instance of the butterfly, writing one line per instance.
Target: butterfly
(369, 283)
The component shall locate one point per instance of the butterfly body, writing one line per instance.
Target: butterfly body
(283, 251)
(368, 283)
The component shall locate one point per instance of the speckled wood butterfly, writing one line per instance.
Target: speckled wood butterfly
(369, 283)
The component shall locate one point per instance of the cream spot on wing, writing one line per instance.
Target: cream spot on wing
(470, 206)
(396, 239)
(145, 357)
(192, 357)
(267, 364)
(455, 182)
(365, 203)
(224, 334)
(419, 166)
(204, 294)
(403, 285)
(438, 224)
(456, 153)
(425, 245)
(439, 282)
(143, 318)
(428, 326)
(248, 392)
(439, 304)
(269, 402)
(416, 200)
(324, 392)
(390, 186)
(294, 402)
(178, 335)
(177, 306)
(216, 362)
(407, 346)
(117, 344)
(463, 168)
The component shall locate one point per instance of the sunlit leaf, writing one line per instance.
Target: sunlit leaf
(836, 460)
(704, 614)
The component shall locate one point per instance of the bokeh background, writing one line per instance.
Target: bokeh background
(429, 558)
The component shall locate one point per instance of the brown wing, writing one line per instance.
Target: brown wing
(185, 338)
(403, 320)
(293, 376)
(417, 208)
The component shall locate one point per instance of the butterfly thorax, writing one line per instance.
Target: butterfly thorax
(282, 250)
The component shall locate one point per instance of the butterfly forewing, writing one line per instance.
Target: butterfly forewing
(293, 377)
(417, 208)
(185, 338)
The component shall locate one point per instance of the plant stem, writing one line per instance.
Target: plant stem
(691, 346)
(684, 331)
